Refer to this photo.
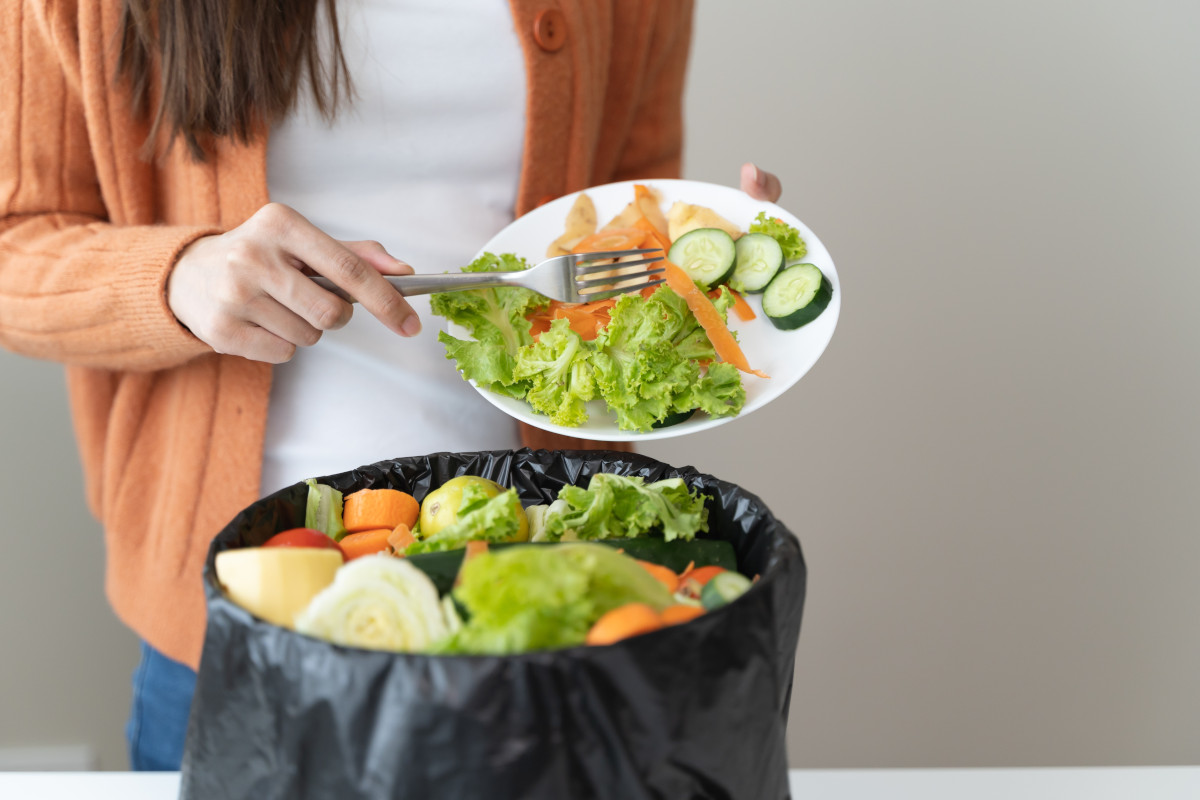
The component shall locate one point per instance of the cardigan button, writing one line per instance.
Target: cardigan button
(550, 30)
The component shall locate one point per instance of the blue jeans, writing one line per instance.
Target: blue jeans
(162, 698)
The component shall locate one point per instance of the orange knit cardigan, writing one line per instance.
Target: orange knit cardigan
(170, 433)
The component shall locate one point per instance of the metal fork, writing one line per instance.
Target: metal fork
(563, 278)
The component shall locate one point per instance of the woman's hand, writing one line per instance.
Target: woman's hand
(760, 184)
(245, 292)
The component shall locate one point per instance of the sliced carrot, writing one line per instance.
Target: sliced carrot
(368, 509)
(703, 575)
(663, 575)
(401, 538)
(623, 622)
(647, 203)
(673, 615)
(709, 318)
(615, 239)
(365, 543)
(586, 319)
(654, 237)
(740, 307)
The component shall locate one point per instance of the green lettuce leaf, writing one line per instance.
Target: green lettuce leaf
(719, 392)
(788, 237)
(618, 506)
(323, 510)
(480, 518)
(559, 374)
(648, 360)
(639, 370)
(535, 598)
(496, 319)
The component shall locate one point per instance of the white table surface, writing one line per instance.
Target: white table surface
(1057, 783)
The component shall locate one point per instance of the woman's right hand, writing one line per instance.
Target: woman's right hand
(245, 292)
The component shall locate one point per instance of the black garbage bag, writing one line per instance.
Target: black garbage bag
(690, 711)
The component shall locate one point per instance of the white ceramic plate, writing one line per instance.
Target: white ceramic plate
(784, 355)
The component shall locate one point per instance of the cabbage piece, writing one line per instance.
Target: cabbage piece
(380, 603)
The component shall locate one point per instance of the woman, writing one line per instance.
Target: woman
(142, 145)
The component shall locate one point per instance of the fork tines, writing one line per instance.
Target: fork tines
(612, 274)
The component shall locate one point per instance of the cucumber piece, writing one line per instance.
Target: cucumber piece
(442, 567)
(723, 588)
(796, 296)
(759, 258)
(674, 419)
(707, 255)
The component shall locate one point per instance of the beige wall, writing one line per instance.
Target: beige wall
(994, 468)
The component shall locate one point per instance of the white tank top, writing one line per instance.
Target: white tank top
(426, 161)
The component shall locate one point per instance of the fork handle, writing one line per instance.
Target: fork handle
(425, 284)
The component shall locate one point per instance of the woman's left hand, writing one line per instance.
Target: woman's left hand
(760, 184)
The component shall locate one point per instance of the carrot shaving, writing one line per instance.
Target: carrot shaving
(586, 319)
(709, 318)
(614, 239)
(740, 307)
(647, 203)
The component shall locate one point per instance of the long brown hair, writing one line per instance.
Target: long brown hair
(227, 65)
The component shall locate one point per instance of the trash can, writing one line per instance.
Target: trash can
(697, 710)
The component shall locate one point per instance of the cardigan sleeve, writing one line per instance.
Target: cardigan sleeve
(654, 146)
(74, 287)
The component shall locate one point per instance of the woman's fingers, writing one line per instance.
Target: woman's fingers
(329, 257)
(245, 292)
(760, 184)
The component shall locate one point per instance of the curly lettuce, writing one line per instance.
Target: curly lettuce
(559, 372)
(625, 507)
(496, 318)
(652, 361)
(794, 247)
(480, 519)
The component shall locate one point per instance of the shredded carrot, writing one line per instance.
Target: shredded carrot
(365, 543)
(664, 575)
(679, 613)
(622, 622)
(654, 237)
(709, 318)
(401, 538)
(740, 307)
(615, 239)
(586, 319)
(651, 212)
(475, 549)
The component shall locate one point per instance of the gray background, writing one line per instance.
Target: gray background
(993, 469)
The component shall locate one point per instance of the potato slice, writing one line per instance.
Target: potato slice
(646, 204)
(580, 223)
(684, 217)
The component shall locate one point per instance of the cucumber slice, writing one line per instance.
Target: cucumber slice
(707, 255)
(723, 588)
(674, 419)
(796, 296)
(759, 257)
